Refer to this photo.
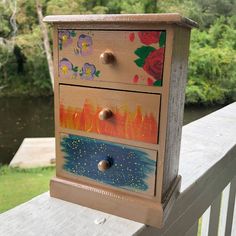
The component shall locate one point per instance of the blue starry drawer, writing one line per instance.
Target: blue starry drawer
(116, 165)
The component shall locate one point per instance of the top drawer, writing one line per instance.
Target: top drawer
(126, 57)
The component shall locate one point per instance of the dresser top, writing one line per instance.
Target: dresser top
(164, 18)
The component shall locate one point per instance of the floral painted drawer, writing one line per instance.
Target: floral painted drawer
(117, 165)
(126, 115)
(119, 101)
(127, 57)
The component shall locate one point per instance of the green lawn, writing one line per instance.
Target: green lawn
(20, 185)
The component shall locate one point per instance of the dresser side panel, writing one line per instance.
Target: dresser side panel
(176, 107)
(56, 91)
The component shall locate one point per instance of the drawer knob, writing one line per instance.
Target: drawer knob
(103, 165)
(107, 57)
(105, 114)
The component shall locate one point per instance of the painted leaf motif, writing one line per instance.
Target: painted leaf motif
(158, 83)
(139, 62)
(72, 33)
(75, 68)
(144, 51)
(162, 41)
(97, 73)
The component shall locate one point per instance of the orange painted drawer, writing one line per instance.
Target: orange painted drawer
(131, 115)
(131, 57)
(129, 168)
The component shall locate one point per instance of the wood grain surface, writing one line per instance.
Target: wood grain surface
(169, 18)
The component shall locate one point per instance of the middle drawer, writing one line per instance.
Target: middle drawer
(122, 114)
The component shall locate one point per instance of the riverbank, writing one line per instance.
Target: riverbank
(24, 91)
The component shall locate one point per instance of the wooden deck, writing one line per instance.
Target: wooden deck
(35, 152)
(207, 166)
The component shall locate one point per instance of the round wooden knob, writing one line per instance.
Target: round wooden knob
(104, 165)
(107, 57)
(105, 114)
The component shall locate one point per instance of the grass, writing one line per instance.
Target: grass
(20, 185)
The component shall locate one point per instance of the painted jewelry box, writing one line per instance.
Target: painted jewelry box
(119, 99)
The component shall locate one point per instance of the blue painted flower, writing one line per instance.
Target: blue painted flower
(84, 44)
(89, 71)
(66, 69)
(65, 38)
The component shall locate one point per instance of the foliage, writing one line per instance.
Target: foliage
(212, 72)
(27, 183)
(5, 28)
(205, 12)
(23, 65)
(186, 8)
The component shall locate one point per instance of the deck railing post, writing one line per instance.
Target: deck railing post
(214, 216)
(231, 207)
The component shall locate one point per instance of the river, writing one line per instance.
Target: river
(33, 117)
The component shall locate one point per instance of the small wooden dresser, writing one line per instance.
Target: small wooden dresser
(119, 100)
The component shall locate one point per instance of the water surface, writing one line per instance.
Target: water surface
(21, 118)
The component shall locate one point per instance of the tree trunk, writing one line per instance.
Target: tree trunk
(45, 41)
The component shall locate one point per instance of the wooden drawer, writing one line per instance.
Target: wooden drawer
(138, 56)
(128, 168)
(134, 115)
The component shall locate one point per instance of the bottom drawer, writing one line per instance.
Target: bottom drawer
(113, 164)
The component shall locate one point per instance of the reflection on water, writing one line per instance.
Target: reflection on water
(192, 113)
(33, 117)
(23, 117)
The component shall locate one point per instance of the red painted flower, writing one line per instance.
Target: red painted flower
(131, 37)
(135, 79)
(153, 64)
(149, 81)
(149, 37)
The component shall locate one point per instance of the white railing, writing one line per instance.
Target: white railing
(220, 213)
(211, 215)
(205, 206)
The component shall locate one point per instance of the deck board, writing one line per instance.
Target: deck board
(35, 152)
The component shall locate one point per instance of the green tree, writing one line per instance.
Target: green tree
(212, 71)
